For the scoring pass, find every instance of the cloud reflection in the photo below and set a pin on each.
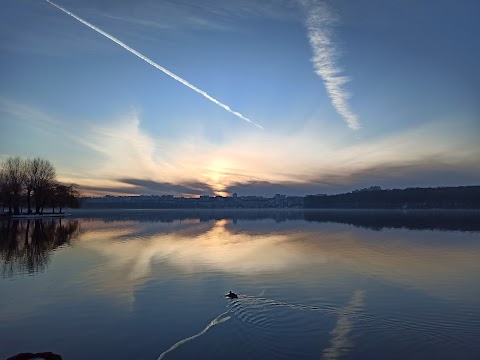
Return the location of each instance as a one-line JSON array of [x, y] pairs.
[[422, 260], [214, 246]]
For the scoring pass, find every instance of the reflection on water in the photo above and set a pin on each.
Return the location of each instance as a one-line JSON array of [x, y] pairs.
[[416, 259], [458, 220], [136, 284], [340, 342], [26, 245]]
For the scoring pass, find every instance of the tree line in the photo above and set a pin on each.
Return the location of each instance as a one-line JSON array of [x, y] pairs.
[[32, 184], [461, 197]]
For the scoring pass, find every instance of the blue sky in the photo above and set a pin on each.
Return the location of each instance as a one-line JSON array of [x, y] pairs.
[[349, 94]]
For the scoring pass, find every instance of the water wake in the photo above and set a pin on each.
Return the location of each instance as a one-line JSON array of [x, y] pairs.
[[218, 320], [261, 302]]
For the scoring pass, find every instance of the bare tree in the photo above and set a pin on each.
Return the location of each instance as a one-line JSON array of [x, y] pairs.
[[13, 175], [3, 188], [41, 180], [36, 179], [31, 170], [64, 196]]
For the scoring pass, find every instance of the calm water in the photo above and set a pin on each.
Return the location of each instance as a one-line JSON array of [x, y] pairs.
[[315, 285]]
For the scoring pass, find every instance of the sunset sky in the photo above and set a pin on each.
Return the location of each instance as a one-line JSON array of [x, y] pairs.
[[347, 94]]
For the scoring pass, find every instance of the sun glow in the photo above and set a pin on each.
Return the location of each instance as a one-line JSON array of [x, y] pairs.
[[217, 176]]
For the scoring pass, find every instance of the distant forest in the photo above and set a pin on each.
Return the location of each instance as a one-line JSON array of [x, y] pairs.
[[462, 197]]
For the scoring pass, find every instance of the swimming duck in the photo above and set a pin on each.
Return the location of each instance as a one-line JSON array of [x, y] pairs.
[[231, 295]]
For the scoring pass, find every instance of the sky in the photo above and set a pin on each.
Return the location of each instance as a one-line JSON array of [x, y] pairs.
[[296, 97]]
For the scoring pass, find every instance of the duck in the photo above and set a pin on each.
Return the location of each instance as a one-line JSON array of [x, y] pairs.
[[231, 295]]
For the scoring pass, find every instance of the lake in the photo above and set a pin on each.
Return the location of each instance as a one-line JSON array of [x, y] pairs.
[[136, 284]]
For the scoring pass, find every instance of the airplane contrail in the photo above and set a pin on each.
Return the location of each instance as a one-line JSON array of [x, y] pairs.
[[154, 64]]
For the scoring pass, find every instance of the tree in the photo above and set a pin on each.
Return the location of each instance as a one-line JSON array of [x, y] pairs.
[[12, 180], [41, 180], [65, 195], [31, 170], [36, 179], [3, 188]]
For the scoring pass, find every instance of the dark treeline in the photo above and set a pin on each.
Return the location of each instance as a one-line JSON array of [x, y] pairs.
[[26, 245], [462, 197], [32, 184]]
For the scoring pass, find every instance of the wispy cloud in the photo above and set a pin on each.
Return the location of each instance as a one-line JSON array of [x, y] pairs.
[[214, 15], [158, 187], [120, 156], [320, 21], [301, 165]]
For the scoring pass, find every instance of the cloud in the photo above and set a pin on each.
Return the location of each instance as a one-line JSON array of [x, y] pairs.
[[266, 164], [320, 21], [119, 156], [218, 15], [156, 187]]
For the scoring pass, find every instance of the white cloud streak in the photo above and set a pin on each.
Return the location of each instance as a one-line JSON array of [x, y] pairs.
[[325, 55], [154, 64]]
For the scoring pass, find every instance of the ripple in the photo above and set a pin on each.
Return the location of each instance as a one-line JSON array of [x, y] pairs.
[[288, 329]]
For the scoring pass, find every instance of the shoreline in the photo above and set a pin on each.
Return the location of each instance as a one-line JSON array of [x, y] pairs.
[[33, 216]]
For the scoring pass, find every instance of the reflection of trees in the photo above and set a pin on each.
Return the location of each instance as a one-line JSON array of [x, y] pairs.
[[451, 220], [458, 220], [25, 246]]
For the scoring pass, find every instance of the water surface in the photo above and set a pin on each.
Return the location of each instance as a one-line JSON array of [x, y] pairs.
[[311, 285]]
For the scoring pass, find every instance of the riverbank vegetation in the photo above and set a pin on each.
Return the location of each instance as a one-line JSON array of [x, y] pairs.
[[460, 197], [31, 185]]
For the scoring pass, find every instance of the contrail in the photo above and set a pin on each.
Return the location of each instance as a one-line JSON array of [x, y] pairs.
[[154, 64], [319, 21]]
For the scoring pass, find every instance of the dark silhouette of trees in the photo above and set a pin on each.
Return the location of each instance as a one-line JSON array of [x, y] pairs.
[[4, 194], [33, 179], [43, 177], [39, 179], [461, 197], [64, 196], [12, 180]]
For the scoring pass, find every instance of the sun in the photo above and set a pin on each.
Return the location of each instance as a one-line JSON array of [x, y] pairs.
[[218, 176]]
